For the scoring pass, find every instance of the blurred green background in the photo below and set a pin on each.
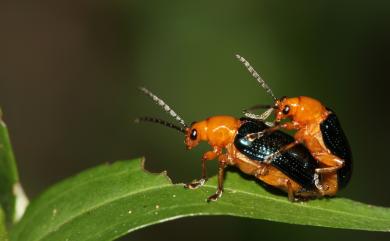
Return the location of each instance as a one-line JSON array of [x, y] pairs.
[[69, 72]]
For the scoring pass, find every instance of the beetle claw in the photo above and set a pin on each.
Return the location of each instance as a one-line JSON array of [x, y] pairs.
[[195, 184], [215, 196], [320, 187], [254, 136], [268, 159]]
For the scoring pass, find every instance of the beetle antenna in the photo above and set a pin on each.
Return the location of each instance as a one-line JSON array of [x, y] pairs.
[[160, 121], [163, 105], [261, 117], [256, 76]]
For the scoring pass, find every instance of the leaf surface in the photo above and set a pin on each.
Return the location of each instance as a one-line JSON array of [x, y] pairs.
[[3, 230], [112, 200]]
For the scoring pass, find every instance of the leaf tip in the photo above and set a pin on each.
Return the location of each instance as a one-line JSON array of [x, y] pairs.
[[21, 201], [2, 123]]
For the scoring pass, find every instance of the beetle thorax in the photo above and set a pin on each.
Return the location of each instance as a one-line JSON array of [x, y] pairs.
[[221, 130], [308, 111], [218, 131]]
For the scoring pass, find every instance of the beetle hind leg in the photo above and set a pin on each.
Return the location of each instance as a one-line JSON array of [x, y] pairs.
[[334, 163], [290, 191], [326, 170], [305, 195], [331, 162]]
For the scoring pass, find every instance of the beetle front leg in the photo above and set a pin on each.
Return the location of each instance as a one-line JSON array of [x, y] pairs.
[[268, 159], [210, 155], [256, 135], [198, 183], [275, 127]]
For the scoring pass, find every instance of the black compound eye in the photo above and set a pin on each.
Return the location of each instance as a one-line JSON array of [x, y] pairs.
[[194, 134], [286, 110]]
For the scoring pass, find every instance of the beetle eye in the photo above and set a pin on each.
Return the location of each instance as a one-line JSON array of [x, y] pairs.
[[194, 134], [286, 110]]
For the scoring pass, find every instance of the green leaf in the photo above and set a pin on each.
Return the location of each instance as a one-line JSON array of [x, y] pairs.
[[109, 201], [11, 192], [3, 230]]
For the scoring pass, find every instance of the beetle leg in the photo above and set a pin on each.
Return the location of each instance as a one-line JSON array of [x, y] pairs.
[[326, 170], [195, 184], [256, 135], [268, 159], [210, 155], [261, 171], [330, 185], [290, 191], [274, 127], [221, 171], [330, 160], [304, 194], [317, 182], [198, 183], [323, 156], [321, 188]]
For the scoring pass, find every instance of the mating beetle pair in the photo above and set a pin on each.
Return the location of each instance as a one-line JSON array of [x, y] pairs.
[[261, 150], [317, 128]]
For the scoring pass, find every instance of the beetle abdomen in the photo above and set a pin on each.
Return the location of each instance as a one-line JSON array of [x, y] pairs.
[[336, 141], [296, 163]]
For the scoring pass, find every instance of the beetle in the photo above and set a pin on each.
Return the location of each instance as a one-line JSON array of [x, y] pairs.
[[292, 171], [316, 126]]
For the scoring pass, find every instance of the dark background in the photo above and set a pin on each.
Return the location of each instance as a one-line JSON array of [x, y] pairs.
[[69, 72]]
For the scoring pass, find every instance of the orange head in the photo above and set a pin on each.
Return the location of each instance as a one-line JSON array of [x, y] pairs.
[[195, 133], [300, 109]]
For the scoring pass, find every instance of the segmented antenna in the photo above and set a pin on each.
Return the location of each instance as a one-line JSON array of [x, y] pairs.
[[165, 107], [160, 121], [256, 75], [261, 117]]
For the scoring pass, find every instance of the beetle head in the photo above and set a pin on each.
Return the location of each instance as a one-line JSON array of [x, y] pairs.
[[300, 109], [194, 134], [192, 138], [286, 108]]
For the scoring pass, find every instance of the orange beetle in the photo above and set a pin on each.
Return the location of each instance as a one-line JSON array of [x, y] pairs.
[[317, 127], [220, 133]]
